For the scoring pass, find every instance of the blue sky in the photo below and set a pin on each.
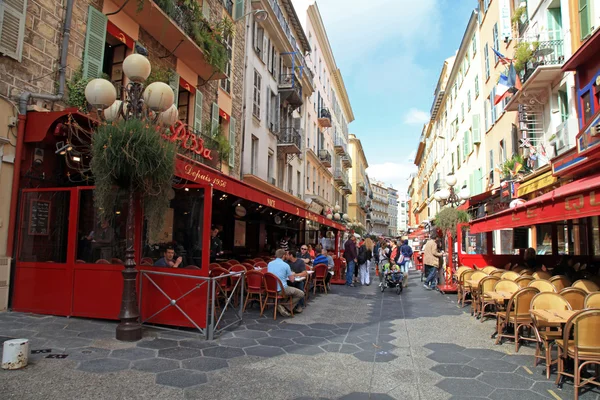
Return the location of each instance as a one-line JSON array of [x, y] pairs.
[[390, 53]]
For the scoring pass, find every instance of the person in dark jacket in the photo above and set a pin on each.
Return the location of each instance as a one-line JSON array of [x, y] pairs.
[[406, 253], [350, 254]]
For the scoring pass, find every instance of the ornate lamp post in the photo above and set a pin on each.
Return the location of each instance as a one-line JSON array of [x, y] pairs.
[[451, 196], [154, 104]]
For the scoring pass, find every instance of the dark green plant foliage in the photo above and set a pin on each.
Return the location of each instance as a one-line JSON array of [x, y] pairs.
[[449, 217], [76, 89], [509, 165], [159, 75], [216, 141], [132, 155]]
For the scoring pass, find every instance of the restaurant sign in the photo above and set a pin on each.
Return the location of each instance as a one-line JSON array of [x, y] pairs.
[[182, 133]]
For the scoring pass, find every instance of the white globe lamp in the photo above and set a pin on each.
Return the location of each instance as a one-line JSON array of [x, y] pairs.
[[451, 180], [137, 68], [337, 208], [169, 117], [336, 216], [436, 196], [100, 93], [345, 216], [444, 194], [112, 113], [464, 193], [329, 216], [159, 96]]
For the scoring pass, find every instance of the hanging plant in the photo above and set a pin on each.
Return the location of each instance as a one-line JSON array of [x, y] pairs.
[[76, 88], [518, 15], [509, 166], [159, 74], [131, 155], [217, 141], [524, 53], [448, 219]]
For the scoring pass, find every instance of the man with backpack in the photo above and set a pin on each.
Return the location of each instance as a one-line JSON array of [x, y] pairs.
[[404, 260]]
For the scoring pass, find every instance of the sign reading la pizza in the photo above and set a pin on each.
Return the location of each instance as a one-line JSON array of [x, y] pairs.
[[180, 132]]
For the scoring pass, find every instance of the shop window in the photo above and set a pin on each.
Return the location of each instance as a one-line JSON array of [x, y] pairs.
[[543, 240], [101, 238], [503, 242], [114, 55], [573, 238], [43, 233], [182, 230], [595, 235]]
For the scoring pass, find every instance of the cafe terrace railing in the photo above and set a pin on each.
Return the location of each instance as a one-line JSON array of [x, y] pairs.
[[215, 322]]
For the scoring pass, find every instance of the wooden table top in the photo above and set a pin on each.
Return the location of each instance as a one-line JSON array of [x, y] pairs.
[[501, 296], [553, 316]]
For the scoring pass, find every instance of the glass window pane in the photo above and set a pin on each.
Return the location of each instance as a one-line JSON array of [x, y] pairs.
[[44, 227], [544, 239], [474, 243], [503, 242], [595, 236]]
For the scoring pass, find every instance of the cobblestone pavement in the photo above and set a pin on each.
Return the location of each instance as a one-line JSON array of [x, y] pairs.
[[354, 343]]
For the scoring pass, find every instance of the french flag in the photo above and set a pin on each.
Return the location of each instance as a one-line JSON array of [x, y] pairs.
[[502, 88], [501, 58]]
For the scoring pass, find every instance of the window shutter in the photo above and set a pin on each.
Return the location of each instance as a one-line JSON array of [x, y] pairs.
[[12, 27], [206, 10], [174, 84], [214, 119], [584, 18], [476, 130], [232, 142], [277, 114], [238, 10], [95, 38], [198, 111], [265, 47], [268, 107], [465, 145]]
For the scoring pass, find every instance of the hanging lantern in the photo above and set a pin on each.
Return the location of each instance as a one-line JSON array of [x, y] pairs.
[[337, 216], [345, 216], [329, 216], [337, 208]]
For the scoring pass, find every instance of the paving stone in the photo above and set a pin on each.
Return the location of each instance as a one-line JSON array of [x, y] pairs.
[[96, 334], [519, 359], [384, 356], [205, 364], [513, 394], [250, 334], [349, 349], [68, 343], [506, 380], [340, 331], [181, 378], [238, 342], [385, 338], [367, 356], [134, 353], [322, 326], [284, 333], [493, 365], [443, 357], [264, 351], [179, 353], [318, 333], [198, 343], [223, 352], [275, 342], [456, 371], [484, 353], [264, 328], [304, 350], [310, 340], [444, 347], [331, 347], [353, 339], [366, 396], [103, 365], [158, 344], [86, 353], [155, 365], [465, 387]]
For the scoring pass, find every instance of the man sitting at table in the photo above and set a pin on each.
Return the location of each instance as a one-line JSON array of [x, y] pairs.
[[304, 254], [282, 270], [168, 259], [325, 258], [299, 269]]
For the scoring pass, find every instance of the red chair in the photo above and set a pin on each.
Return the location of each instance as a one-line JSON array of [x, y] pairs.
[[102, 261], [116, 261], [255, 286], [248, 266], [272, 282], [80, 262], [147, 261], [260, 264], [319, 277]]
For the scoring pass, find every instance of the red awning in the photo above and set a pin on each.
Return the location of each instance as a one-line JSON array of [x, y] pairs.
[[574, 200], [40, 123], [199, 173]]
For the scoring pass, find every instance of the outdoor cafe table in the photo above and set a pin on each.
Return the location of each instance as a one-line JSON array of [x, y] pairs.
[[500, 296], [553, 316]]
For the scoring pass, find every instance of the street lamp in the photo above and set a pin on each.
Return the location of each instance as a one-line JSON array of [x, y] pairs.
[[259, 15], [154, 104], [451, 196]]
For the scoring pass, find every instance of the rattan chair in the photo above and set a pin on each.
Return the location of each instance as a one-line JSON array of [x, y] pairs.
[[575, 297], [542, 285], [524, 281], [543, 330], [584, 349], [526, 272], [592, 300], [498, 273], [560, 282], [486, 285], [459, 271], [510, 276], [518, 269], [464, 287], [489, 269], [504, 286], [542, 275], [477, 276], [586, 285], [516, 314]]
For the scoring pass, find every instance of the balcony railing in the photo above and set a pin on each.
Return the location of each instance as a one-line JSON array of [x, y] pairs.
[[324, 118], [339, 145], [290, 89], [325, 157], [289, 140], [340, 177], [347, 160], [548, 52]]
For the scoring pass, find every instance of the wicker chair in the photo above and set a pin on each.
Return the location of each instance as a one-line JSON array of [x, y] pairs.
[[498, 273], [517, 314], [486, 285], [459, 271], [477, 277], [592, 300], [560, 282], [524, 281], [542, 285], [272, 282], [542, 275], [489, 269], [464, 287], [510, 276], [587, 285], [518, 269], [575, 297], [584, 349], [526, 272], [543, 330]]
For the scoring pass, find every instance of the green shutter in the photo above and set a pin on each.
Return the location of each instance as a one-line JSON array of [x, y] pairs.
[[206, 10], [198, 111], [478, 187], [238, 10], [476, 131], [476, 86], [466, 143], [174, 83], [232, 142], [584, 18], [471, 184], [12, 27], [214, 119], [95, 39]]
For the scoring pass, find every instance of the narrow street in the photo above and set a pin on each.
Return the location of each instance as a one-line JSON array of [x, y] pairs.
[[355, 343]]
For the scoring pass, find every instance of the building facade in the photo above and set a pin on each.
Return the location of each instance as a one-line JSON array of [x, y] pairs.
[[379, 213], [403, 213], [359, 201], [392, 211]]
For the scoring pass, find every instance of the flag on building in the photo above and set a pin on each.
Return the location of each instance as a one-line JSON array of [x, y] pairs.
[[513, 79], [502, 89], [501, 58]]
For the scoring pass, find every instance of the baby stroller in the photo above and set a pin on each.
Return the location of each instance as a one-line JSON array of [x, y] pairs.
[[392, 279]]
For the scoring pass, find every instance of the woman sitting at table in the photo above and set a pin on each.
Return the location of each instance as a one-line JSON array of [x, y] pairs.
[[311, 251]]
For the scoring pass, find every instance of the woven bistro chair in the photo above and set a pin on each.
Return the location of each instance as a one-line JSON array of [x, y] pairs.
[[498, 273], [584, 349], [518, 269], [586, 285], [546, 333], [465, 288], [489, 269], [575, 297], [507, 266], [504, 286], [560, 282], [542, 285], [516, 314], [510, 275], [477, 276], [272, 282], [542, 275], [255, 287], [319, 278], [526, 272], [486, 285], [458, 276], [524, 281], [592, 300]]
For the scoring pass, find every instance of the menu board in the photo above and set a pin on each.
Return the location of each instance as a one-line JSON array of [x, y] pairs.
[[520, 238], [39, 217]]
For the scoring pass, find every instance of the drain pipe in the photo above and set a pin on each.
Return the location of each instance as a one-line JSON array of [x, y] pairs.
[[23, 101]]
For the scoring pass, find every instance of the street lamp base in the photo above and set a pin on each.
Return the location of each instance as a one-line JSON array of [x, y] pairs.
[[129, 331]]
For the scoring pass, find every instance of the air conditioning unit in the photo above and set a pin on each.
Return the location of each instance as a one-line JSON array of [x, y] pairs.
[[4, 280]]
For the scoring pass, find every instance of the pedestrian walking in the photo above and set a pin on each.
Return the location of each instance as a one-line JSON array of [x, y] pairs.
[[431, 260], [365, 253], [406, 253], [350, 255]]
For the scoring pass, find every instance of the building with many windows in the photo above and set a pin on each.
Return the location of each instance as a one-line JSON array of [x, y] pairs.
[[403, 213], [392, 212], [359, 203], [379, 214]]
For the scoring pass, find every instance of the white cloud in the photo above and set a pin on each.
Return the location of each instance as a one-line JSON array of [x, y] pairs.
[[394, 173], [416, 117]]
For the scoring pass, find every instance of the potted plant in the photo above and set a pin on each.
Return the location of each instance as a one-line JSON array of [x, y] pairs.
[[512, 166], [524, 53], [448, 218]]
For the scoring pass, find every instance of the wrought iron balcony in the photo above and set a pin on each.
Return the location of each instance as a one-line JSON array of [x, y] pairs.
[[289, 140], [325, 158], [290, 89], [347, 189], [548, 52], [324, 118], [340, 177], [346, 160], [339, 145]]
